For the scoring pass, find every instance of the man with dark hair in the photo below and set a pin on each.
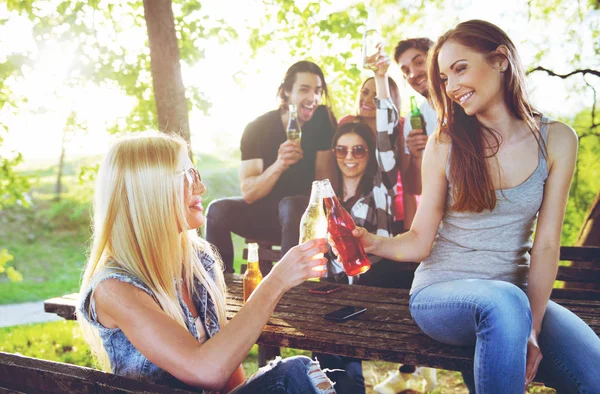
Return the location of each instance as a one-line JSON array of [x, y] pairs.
[[276, 173], [411, 56]]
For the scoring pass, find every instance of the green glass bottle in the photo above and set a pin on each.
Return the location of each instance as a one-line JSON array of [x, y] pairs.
[[416, 118]]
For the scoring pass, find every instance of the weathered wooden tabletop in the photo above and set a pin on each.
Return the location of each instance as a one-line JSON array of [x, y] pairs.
[[384, 332]]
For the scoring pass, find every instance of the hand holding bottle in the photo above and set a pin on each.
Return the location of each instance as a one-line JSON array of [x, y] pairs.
[[416, 142], [366, 239], [289, 153], [299, 264], [380, 62]]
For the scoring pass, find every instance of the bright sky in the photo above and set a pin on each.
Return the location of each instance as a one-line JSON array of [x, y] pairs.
[[241, 88]]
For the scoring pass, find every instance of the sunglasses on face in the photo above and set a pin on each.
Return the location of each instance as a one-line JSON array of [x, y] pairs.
[[358, 151], [193, 178]]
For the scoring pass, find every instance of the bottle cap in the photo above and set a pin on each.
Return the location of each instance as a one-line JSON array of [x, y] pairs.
[[253, 252], [326, 189]]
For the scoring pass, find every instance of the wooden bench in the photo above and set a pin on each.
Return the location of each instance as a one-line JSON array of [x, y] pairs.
[[20, 374], [386, 330]]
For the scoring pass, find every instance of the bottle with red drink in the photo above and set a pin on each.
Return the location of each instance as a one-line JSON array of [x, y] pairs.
[[340, 226]]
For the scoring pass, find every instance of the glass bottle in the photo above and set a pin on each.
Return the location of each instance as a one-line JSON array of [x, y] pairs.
[[416, 118], [252, 276], [371, 38], [293, 131], [340, 225], [314, 222]]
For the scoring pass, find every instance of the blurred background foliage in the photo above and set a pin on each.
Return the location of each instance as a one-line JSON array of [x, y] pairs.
[[45, 206]]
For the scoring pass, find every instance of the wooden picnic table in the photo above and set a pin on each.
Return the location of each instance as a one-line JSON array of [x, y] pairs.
[[384, 332]]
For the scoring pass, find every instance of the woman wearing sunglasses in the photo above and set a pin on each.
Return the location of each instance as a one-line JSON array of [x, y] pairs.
[[153, 294], [365, 151], [404, 205]]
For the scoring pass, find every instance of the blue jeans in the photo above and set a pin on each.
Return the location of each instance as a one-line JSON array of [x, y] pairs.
[[292, 375], [346, 372], [495, 317]]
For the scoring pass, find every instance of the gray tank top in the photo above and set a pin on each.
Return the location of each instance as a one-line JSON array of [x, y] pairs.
[[491, 245]]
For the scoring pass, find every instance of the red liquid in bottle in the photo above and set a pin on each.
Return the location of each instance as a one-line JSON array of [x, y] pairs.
[[340, 226]]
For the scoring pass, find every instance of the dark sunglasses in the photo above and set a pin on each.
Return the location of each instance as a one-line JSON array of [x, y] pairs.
[[358, 151], [192, 177]]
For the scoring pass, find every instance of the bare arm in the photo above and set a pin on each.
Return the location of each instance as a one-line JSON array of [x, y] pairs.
[[238, 377], [386, 117], [257, 182], [415, 245], [562, 155], [410, 208], [413, 162], [171, 347]]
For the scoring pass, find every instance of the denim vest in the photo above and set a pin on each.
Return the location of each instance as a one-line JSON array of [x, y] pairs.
[[125, 359]]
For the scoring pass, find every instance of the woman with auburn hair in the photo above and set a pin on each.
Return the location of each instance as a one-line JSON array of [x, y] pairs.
[[495, 166], [153, 293]]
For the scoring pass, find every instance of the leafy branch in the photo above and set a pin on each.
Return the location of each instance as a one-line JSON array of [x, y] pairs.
[[564, 76], [583, 72]]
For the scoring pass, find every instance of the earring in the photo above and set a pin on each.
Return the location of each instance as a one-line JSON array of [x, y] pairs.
[[502, 68]]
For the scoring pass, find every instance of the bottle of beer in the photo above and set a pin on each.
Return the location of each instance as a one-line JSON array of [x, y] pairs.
[[314, 222], [252, 276], [340, 226], [371, 38], [416, 118], [294, 132]]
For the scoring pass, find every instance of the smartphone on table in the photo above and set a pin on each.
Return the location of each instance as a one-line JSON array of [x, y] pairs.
[[326, 289], [345, 313]]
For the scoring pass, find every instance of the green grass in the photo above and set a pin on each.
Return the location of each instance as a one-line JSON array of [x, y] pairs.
[[62, 341], [49, 240], [49, 255], [57, 341]]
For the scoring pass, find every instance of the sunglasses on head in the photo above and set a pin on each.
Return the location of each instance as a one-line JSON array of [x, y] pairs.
[[192, 177], [358, 151]]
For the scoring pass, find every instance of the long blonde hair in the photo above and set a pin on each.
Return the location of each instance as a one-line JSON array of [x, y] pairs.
[[138, 217]]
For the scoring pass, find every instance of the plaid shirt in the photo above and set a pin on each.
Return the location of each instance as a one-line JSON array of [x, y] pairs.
[[374, 210]]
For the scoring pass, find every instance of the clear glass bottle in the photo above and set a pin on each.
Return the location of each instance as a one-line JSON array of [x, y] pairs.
[[371, 37], [314, 222], [293, 131]]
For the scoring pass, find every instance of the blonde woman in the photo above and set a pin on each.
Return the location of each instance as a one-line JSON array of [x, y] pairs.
[[153, 293]]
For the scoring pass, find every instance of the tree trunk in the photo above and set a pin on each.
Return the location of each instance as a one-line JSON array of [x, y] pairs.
[[169, 91], [61, 164], [590, 231]]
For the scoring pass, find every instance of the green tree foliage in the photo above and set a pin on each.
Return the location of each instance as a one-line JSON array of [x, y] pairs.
[[103, 32]]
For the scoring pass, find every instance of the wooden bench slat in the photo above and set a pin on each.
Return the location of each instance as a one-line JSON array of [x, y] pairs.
[[580, 253], [32, 375], [579, 274]]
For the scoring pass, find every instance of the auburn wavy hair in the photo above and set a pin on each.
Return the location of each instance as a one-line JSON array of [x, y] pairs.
[[472, 187]]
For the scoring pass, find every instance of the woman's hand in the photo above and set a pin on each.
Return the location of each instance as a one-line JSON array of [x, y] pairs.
[[381, 61], [534, 356], [298, 263], [367, 240]]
